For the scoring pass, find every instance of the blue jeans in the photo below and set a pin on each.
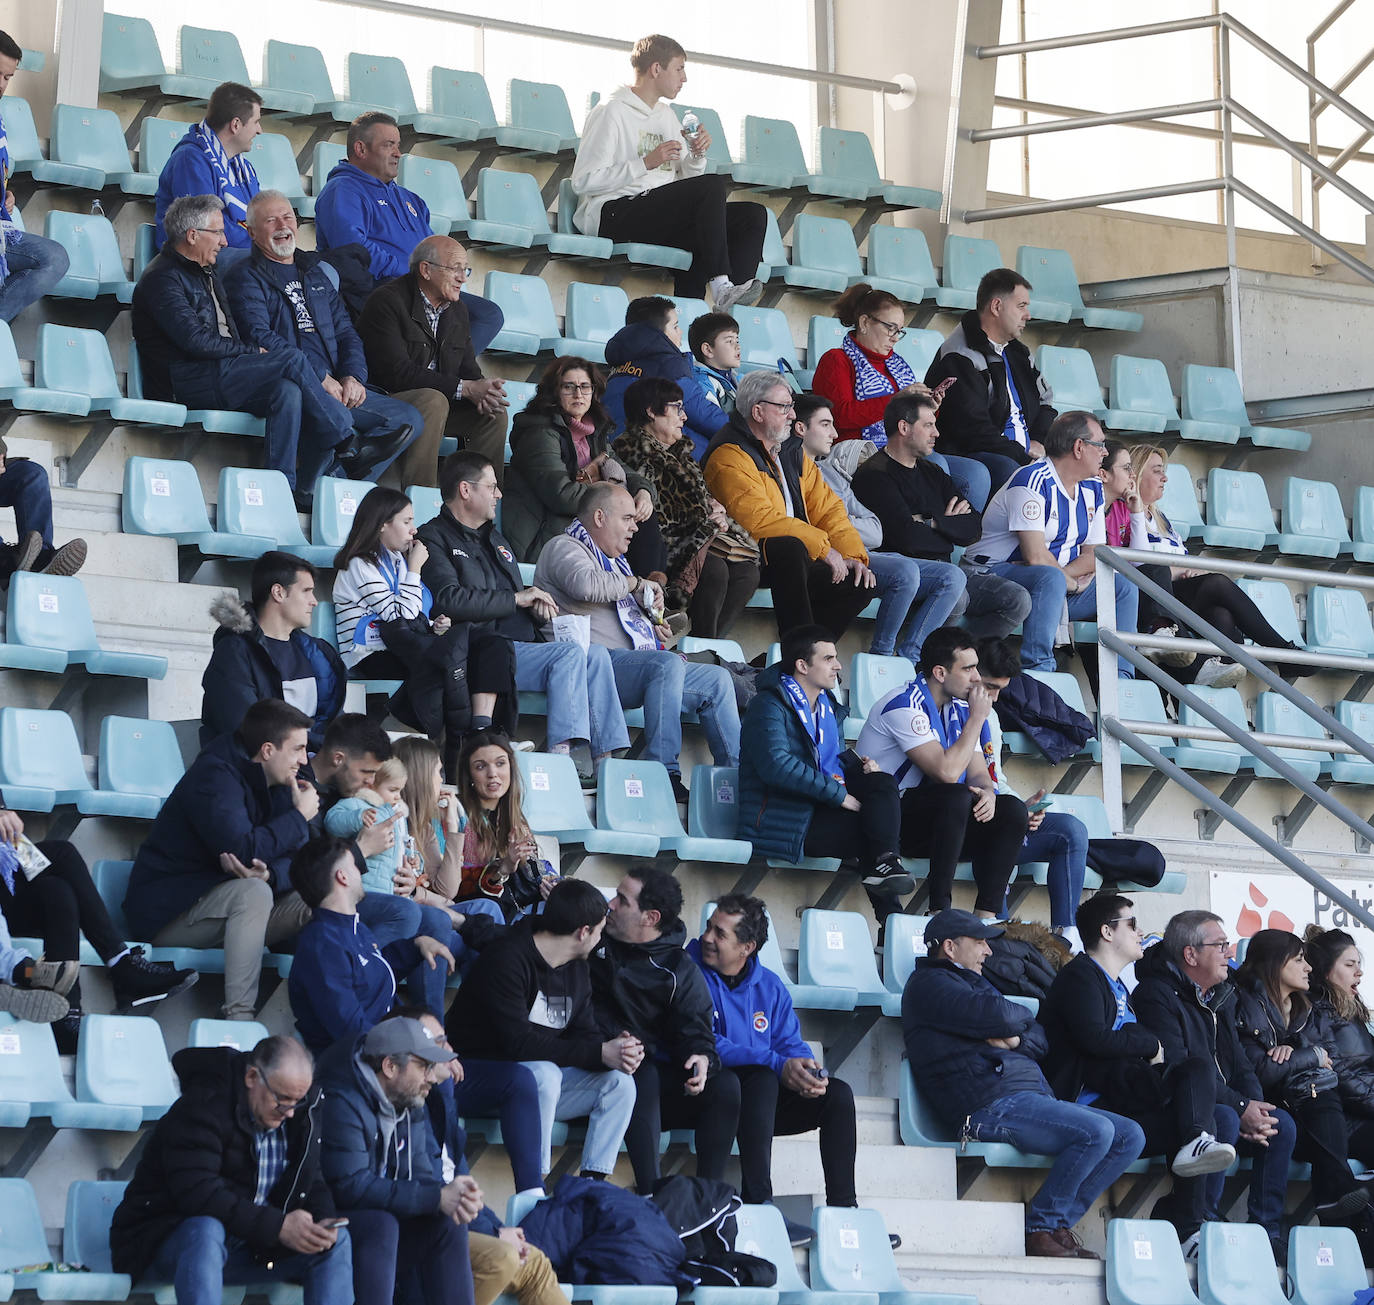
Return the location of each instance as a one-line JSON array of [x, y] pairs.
[[1062, 840], [1092, 1149], [664, 685], [1047, 587], [926, 591], [606, 1097], [970, 478], [25, 487], [1268, 1175], [485, 320], [387, 1246], [304, 425], [36, 265], [509, 1091], [999, 466], [581, 689], [200, 1262], [993, 606]]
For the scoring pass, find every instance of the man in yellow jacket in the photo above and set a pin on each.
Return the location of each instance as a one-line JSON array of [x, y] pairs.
[[813, 559]]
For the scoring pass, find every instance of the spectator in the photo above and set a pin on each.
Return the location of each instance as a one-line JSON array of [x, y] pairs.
[[421, 338], [974, 1057], [282, 300], [1118, 490], [801, 792], [452, 676], [915, 598], [191, 351], [783, 1089], [1099, 1055], [998, 410], [1183, 997], [813, 559], [382, 1162], [229, 1189], [473, 576], [1279, 1036], [30, 265], [643, 981], [362, 204], [932, 736], [212, 159], [713, 339], [380, 800], [650, 345], [436, 820], [24, 486], [637, 177], [1040, 530], [58, 905], [263, 650], [585, 572], [213, 872], [350, 755], [712, 590], [33, 991], [529, 999], [559, 449], [923, 515]]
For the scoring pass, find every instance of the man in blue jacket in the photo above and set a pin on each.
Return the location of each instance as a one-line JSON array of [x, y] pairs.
[[282, 300], [214, 870], [758, 1036], [974, 1056], [362, 204], [212, 159], [381, 1161]]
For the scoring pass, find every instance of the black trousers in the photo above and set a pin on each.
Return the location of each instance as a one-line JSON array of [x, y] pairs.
[[722, 593], [691, 214], [767, 1109], [804, 592], [661, 1103], [869, 833], [938, 823], [1324, 1142]]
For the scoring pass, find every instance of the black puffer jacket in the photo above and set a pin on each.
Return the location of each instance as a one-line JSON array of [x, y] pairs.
[[1351, 1048], [1261, 1028], [1017, 968]]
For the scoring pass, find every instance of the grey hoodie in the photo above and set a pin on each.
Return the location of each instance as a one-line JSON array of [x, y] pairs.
[[838, 471]]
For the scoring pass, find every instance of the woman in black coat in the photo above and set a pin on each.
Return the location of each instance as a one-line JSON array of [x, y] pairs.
[[1340, 1024]]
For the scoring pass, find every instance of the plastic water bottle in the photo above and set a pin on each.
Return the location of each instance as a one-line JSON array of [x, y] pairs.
[[97, 208], [691, 124]]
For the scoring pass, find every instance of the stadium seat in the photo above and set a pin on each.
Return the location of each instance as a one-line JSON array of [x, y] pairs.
[[49, 627], [86, 1237], [461, 93], [87, 145], [1361, 520], [836, 951], [274, 160], [632, 251], [916, 1122], [1073, 378], [511, 214], [519, 393], [1221, 757], [899, 262], [822, 335], [904, 944], [162, 497], [1325, 1266], [1274, 714], [713, 804], [1236, 1266], [1142, 399], [33, 398], [1313, 520], [771, 155], [157, 138], [919, 348], [303, 67], [718, 156], [324, 625], [40, 759], [1179, 502], [1088, 808], [1051, 272], [242, 1035], [258, 502], [1145, 1264], [554, 805], [79, 362], [121, 1060], [140, 764], [870, 677], [851, 1252], [21, 135], [1141, 700], [211, 57], [1067, 687], [1214, 410], [765, 340], [132, 62], [636, 797], [96, 266], [32, 1085], [1350, 768], [383, 80], [144, 250], [336, 504], [726, 649], [824, 256], [967, 259], [760, 1230], [848, 156], [426, 502], [1238, 511], [1338, 622], [539, 119], [773, 258], [23, 1244], [531, 327], [592, 314], [688, 310], [439, 183], [1275, 601]]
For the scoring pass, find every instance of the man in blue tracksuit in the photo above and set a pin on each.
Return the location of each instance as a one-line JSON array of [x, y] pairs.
[[362, 204], [758, 1036]]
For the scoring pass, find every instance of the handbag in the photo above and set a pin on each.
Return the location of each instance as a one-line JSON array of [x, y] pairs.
[[1308, 1082]]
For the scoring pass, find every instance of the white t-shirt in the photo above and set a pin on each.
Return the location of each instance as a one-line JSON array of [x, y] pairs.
[[897, 723], [1035, 499]]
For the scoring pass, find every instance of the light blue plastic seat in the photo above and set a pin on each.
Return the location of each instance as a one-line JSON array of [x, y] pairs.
[[1236, 1266], [33, 398], [1238, 511], [836, 951], [425, 500], [1088, 808], [1142, 398], [510, 215], [21, 135], [131, 61], [851, 1251], [1067, 687], [336, 504], [519, 394], [144, 250], [824, 256], [1338, 622], [439, 183], [86, 1237], [1051, 272], [1145, 1264], [32, 1085], [538, 118], [531, 326], [899, 262], [258, 502], [1213, 408], [771, 155], [323, 159], [966, 259], [88, 145], [140, 764], [324, 625], [1073, 378], [1179, 502], [274, 160], [1313, 520], [636, 797], [713, 804], [220, 420], [632, 251], [773, 257], [848, 155], [462, 93], [49, 618], [1217, 757], [162, 497], [592, 314], [718, 156], [726, 649], [96, 267], [24, 1242], [210, 57], [1275, 602], [688, 310], [919, 347], [1349, 768], [303, 68], [1325, 1266], [242, 1035], [760, 1231], [804, 996], [871, 676], [1274, 714], [822, 335], [157, 138], [382, 79], [916, 1122], [78, 361], [1362, 521], [904, 943], [554, 805], [111, 879], [1140, 700], [765, 338], [121, 1060]]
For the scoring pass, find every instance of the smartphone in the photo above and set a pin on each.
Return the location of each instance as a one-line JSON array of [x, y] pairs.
[[820, 1074], [1044, 804], [333, 1223]]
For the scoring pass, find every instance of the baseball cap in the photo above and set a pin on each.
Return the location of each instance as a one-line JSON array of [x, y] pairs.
[[951, 923], [402, 1037]]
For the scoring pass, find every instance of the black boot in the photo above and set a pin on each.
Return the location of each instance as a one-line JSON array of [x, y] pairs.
[[137, 981], [67, 1031]]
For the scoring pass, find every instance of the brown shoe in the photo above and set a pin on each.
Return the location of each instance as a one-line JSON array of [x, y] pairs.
[[1068, 1239], [27, 551], [55, 976], [1047, 1244], [68, 559]]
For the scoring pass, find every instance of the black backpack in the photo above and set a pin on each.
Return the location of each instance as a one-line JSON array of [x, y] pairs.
[[702, 1210]]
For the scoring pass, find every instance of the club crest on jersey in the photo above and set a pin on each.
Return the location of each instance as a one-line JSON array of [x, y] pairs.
[[920, 722], [411, 208], [760, 1022], [505, 552], [1031, 511]]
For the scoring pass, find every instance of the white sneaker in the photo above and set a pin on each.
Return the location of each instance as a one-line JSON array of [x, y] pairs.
[[1219, 674], [1203, 1155], [1189, 1246], [732, 294]]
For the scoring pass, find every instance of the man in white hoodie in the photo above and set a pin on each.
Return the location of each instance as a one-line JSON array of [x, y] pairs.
[[637, 177]]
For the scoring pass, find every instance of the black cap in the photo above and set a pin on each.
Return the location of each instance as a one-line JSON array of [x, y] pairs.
[[950, 923]]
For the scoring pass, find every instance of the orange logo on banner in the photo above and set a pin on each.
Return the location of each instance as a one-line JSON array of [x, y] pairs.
[[1250, 922]]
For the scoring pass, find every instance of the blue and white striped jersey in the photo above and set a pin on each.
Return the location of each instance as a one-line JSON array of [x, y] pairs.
[[1035, 499]]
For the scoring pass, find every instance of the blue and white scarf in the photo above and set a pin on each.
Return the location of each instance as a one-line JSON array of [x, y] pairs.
[[948, 727], [632, 617], [870, 383], [821, 726], [229, 173]]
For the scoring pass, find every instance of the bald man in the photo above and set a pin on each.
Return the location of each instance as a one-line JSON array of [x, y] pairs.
[[417, 336]]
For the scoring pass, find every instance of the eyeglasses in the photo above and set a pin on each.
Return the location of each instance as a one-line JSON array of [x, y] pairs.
[[895, 330], [789, 406], [285, 1104], [676, 404], [575, 387], [210, 231], [1223, 943], [460, 270], [1097, 444], [1126, 919]]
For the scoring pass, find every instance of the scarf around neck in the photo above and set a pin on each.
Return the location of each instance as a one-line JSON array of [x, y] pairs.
[[821, 726], [230, 174], [870, 383], [632, 618]]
